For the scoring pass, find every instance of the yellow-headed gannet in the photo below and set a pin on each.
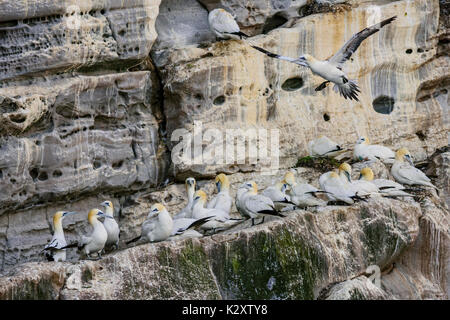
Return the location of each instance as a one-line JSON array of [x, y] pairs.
[[277, 194], [336, 189], [324, 147], [97, 240], [331, 69], [303, 194], [187, 227], [360, 188], [111, 226], [219, 219], [54, 249], [253, 205], [406, 173], [222, 23], [222, 200], [366, 151], [157, 226], [387, 188], [186, 212]]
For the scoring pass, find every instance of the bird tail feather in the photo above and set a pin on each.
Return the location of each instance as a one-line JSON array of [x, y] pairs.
[[348, 90], [133, 240]]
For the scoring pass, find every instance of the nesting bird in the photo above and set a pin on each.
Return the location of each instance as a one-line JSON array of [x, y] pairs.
[[253, 205], [55, 249], [186, 212], [222, 200], [324, 147], [277, 194], [157, 226], [95, 243], [219, 219], [224, 26], [111, 226], [337, 189], [387, 188], [406, 173], [303, 194], [360, 188], [365, 151], [331, 69]]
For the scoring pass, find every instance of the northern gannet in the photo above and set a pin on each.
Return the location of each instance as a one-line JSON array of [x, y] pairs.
[[303, 194], [97, 240], [365, 151], [188, 226], [386, 187], [360, 188], [224, 26], [253, 205], [336, 189], [222, 200], [186, 212], [111, 226], [324, 147], [219, 219], [406, 173], [157, 226], [277, 194], [54, 250], [331, 69]]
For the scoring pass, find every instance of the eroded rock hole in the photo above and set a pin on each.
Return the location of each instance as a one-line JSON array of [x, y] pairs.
[[383, 104], [219, 101], [326, 117], [57, 173], [421, 135], [408, 51], [43, 176], [34, 173], [274, 22], [117, 165], [97, 164], [292, 84]]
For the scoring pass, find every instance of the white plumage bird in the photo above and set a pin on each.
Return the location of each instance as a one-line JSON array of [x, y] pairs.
[[387, 188], [253, 205], [186, 212], [223, 24], [222, 200], [54, 250], [324, 147], [337, 190], [365, 151], [406, 173], [331, 69], [303, 194], [111, 226]]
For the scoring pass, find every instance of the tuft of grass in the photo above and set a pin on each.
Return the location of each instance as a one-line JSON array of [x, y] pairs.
[[321, 164]]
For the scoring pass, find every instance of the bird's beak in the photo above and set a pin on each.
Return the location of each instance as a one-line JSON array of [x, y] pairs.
[[69, 213], [284, 187], [218, 186], [408, 158], [101, 214], [360, 177], [348, 176]]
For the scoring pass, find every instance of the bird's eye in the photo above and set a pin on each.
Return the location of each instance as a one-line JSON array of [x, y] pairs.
[[196, 198], [154, 210]]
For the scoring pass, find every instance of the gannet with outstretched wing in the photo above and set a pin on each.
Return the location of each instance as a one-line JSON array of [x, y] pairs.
[[54, 250], [331, 69]]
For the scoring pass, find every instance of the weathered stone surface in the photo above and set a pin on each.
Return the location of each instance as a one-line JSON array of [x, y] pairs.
[[250, 84], [299, 255], [360, 288]]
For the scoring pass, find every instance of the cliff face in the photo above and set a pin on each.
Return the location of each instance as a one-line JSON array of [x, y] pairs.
[[91, 94]]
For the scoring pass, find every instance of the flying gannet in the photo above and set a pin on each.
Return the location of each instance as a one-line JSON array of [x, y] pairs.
[[111, 226], [331, 69], [387, 188], [303, 194], [222, 200], [406, 173], [324, 147], [157, 226], [222, 23], [219, 219], [54, 250], [253, 205], [186, 212], [365, 151], [97, 240]]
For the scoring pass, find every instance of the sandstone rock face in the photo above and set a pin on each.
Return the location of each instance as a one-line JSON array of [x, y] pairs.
[[404, 88], [90, 96]]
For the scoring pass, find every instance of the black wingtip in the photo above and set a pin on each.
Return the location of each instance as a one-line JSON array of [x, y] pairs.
[[133, 240]]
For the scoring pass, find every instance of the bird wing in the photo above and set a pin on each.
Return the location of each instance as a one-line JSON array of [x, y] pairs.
[[54, 244], [412, 174], [380, 151], [274, 194], [212, 203], [148, 226], [352, 45], [258, 203], [277, 56]]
